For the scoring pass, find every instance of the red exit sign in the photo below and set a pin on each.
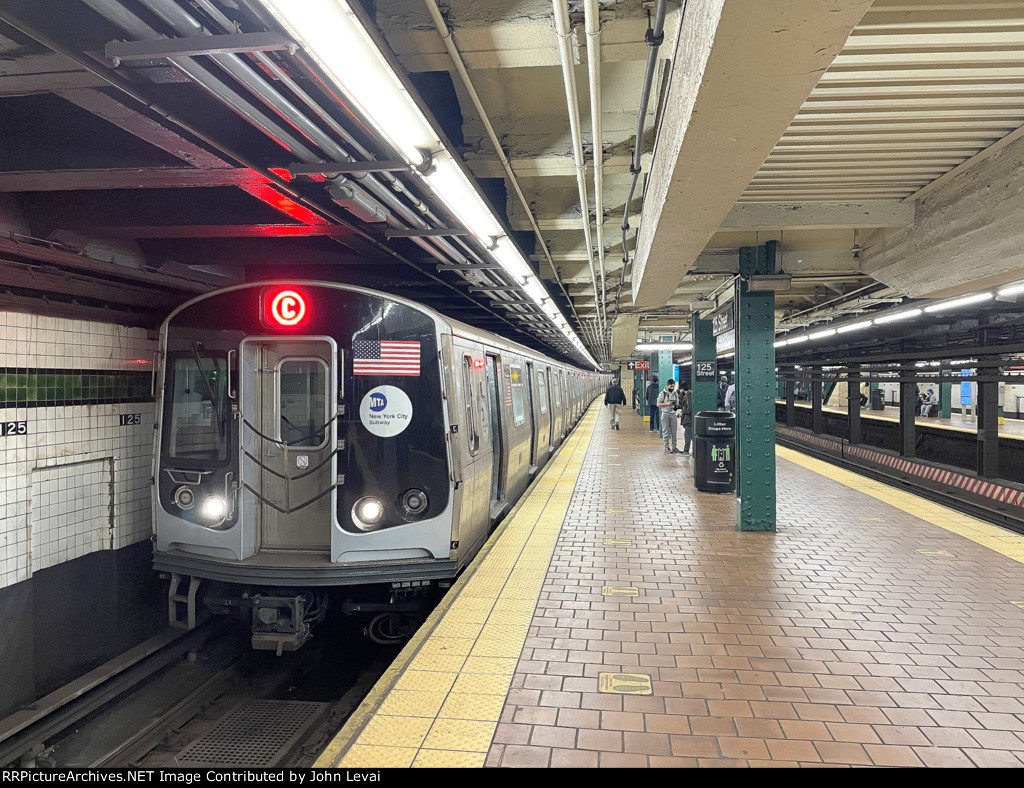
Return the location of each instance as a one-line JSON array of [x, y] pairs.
[[639, 365]]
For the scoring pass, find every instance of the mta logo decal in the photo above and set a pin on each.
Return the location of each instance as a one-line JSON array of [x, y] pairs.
[[378, 402]]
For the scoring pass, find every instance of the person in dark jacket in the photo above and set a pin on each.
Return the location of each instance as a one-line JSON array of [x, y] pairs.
[[614, 398], [636, 398], [686, 417], [653, 390]]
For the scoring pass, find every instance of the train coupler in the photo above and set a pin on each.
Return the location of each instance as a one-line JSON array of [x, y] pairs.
[[282, 623]]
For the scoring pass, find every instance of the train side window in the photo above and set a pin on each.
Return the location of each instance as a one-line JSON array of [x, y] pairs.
[[518, 402], [555, 388], [482, 405], [472, 435], [542, 391]]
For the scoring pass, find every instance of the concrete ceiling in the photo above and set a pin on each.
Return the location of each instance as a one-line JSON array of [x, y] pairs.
[[880, 143], [818, 123]]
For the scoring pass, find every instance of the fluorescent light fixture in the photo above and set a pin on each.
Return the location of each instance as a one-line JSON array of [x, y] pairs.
[[958, 302], [795, 340], [892, 317], [651, 347], [854, 326], [822, 334], [782, 342], [728, 355], [332, 34], [1012, 289]]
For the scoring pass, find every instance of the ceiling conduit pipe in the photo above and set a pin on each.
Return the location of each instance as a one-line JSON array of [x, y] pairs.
[[125, 20], [474, 97], [592, 25], [654, 38], [183, 24], [565, 47], [186, 25]]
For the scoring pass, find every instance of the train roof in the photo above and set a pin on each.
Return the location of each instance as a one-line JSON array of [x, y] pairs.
[[458, 328]]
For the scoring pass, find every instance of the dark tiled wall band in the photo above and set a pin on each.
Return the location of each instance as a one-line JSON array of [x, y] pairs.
[[31, 388]]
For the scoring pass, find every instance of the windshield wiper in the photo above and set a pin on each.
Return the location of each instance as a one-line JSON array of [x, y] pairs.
[[209, 388]]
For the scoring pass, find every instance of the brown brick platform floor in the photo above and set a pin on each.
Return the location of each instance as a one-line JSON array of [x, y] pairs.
[[859, 634]]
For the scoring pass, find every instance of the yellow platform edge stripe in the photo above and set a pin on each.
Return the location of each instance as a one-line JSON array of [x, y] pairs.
[[993, 537], [346, 739]]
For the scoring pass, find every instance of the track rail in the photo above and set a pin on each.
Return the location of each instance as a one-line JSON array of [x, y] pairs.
[[21, 732], [949, 499]]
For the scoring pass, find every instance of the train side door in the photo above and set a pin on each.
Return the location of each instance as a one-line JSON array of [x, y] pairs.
[[497, 445], [290, 440]]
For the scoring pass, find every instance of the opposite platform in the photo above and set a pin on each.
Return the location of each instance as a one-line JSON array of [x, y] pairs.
[[875, 628]]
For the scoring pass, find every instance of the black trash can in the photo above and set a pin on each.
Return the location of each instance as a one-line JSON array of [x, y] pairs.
[[877, 400], [715, 459]]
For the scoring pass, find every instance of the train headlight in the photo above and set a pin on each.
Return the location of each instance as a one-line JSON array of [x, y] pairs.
[[214, 507], [368, 513], [414, 502], [184, 498]]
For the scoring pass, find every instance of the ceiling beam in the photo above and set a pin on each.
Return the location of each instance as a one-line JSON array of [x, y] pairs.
[[818, 215], [741, 73], [149, 130], [125, 178], [223, 231], [82, 262]]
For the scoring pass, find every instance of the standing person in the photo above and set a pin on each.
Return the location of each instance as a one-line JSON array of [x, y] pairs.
[[652, 403], [865, 393], [730, 397], [723, 386], [686, 417], [636, 398], [668, 403], [614, 398]]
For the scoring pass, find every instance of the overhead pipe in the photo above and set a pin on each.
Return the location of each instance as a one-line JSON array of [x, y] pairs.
[[474, 97], [564, 33], [180, 19], [185, 24], [654, 38], [592, 27], [127, 21]]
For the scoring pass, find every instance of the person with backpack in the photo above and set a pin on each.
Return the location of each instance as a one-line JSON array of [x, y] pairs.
[[652, 403], [686, 417], [668, 402]]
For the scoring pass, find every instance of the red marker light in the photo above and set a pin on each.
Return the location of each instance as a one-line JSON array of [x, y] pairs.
[[285, 308], [478, 363]]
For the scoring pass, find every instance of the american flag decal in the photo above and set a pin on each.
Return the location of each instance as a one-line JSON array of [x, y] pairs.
[[370, 357]]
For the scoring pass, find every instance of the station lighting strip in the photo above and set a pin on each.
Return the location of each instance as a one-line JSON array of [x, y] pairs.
[[897, 315], [333, 35]]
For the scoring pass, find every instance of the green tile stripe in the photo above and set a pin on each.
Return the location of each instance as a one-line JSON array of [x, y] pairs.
[[30, 388]]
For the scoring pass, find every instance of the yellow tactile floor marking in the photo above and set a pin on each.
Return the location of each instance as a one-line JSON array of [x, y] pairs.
[[442, 711], [991, 536]]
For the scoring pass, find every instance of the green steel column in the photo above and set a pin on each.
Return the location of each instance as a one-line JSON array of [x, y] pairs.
[[755, 390], [665, 367], [946, 396], [705, 393]]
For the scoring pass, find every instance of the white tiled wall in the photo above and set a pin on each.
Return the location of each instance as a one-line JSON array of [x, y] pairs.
[[55, 489]]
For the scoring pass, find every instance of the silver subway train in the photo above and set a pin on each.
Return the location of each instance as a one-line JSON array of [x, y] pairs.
[[319, 443]]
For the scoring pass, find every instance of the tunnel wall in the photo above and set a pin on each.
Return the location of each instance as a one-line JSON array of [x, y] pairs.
[[76, 443]]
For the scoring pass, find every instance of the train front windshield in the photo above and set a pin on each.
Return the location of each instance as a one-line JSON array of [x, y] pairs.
[[197, 427]]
